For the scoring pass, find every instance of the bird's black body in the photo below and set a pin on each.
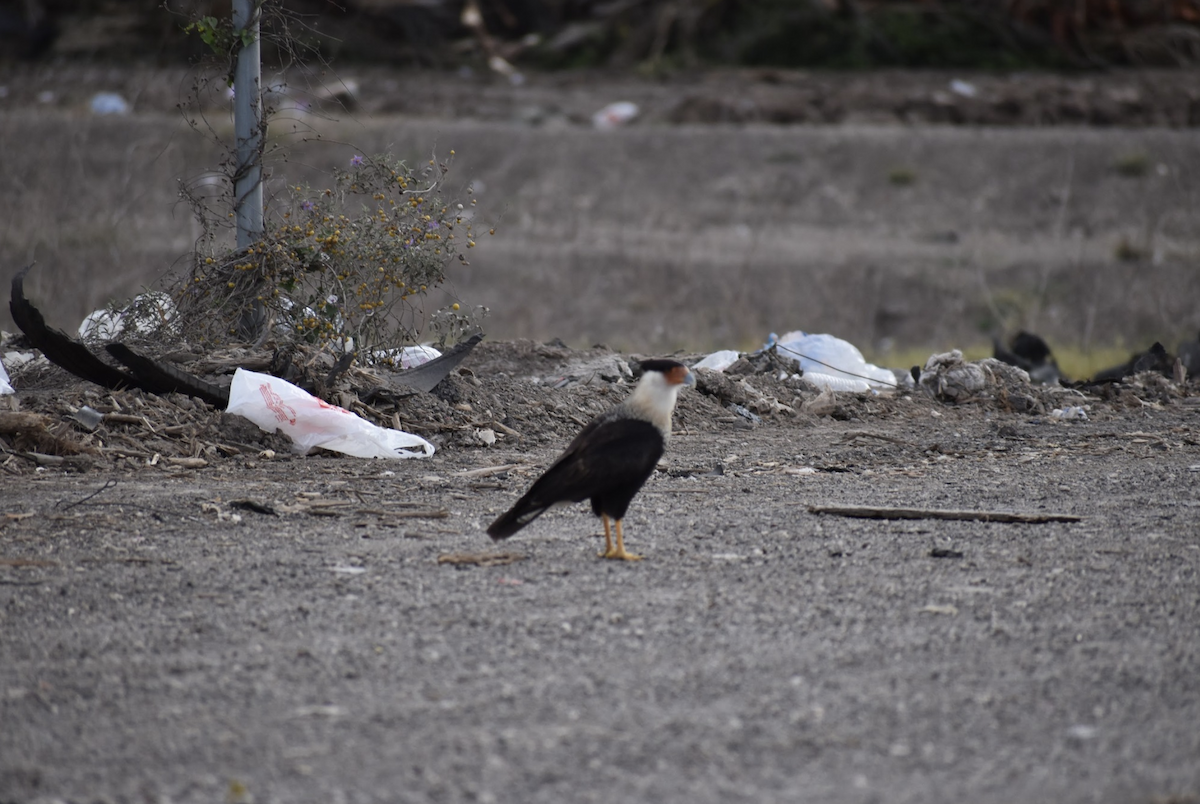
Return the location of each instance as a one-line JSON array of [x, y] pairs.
[[610, 460]]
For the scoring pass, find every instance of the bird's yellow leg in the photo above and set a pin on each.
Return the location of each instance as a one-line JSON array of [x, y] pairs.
[[620, 551], [608, 546]]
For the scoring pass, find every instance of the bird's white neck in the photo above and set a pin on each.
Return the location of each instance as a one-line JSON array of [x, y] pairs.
[[654, 400]]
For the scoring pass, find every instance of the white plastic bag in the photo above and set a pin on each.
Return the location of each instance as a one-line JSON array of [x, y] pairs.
[[409, 356], [275, 404], [144, 315], [825, 358], [718, 361], [615, 115], [5, 386]]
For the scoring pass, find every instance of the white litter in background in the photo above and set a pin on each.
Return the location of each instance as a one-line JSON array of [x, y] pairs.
[[718, 361], [615, 115], [849, 384], [14, 360], [5, 385], [409, 356], [1081, 732], [831, 362], [275, 404], [1073, 413], [964, 88], [146, 314], [109, 103]]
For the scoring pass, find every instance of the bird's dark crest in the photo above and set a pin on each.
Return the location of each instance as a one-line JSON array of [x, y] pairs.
[[661, 364]]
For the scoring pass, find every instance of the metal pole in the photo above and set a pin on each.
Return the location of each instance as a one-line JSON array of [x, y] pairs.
[[248, 131], [247, 124]]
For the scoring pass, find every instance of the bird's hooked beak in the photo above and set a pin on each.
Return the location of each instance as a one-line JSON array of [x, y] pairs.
[[680, 375]]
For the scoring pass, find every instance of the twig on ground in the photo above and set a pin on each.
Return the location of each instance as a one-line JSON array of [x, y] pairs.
[[108, 484], [870, 512]]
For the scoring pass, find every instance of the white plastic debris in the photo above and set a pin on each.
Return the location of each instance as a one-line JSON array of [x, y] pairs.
[[718, 361], [409, 356], [109, 103], [1082, 732], [5, 385], [275, 404], [499, 65], [964, 88], [949, 376], [615, 115], [1070, 413], [831, 362], [145, 315], [14, 360], [831, 382]]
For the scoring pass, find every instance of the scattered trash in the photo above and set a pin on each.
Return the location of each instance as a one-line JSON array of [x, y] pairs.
[[746, 414], [14, 359], [409, 356], [834, 383], [950, 378], [718, 361], [426, 375], [109, 103], [615, 115], [964, 88], [5, 383], [1069, 414], [274, 404], [830, 362], [89, 418], [144, 315], [1081, 732]]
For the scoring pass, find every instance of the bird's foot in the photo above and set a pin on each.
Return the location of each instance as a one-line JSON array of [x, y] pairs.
[[620, 554]]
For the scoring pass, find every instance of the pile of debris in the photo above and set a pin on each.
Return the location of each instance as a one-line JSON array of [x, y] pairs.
[[169, 409]]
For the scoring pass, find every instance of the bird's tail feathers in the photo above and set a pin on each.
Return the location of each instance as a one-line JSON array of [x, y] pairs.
[[516, 518]]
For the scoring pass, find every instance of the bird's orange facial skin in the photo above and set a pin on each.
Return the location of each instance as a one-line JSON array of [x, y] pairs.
[[679, 375]]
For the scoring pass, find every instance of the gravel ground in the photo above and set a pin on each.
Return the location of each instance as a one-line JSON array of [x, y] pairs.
[[327, 629]]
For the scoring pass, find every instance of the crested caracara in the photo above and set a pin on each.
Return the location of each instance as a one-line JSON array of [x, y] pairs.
[[609, 460]]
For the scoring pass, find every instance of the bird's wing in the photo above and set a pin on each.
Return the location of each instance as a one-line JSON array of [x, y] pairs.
[[612, 453], [606, 454]]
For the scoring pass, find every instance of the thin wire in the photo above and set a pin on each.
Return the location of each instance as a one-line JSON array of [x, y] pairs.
[[835, 368]]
